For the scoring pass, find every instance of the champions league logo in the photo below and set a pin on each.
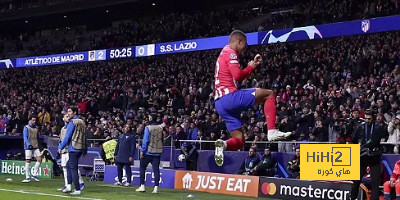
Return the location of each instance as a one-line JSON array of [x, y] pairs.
[[301, 33], [365, 25], [5, 64]]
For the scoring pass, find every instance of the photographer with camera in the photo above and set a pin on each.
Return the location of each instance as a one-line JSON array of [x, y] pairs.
[[369, 136]]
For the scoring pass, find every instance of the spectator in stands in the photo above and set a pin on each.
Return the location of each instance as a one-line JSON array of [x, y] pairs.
[[394, 133], [320, 132], [333, 126], [3, 123], [127, 81], [294, 165], [249, 163], [304, 121], [267, 165], [43, 117]]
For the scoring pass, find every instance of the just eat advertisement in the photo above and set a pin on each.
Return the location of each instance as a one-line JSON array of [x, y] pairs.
[[238, 185]]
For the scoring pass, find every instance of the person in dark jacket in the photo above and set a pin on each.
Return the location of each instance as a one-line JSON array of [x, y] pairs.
[[189, 154], [294, 165], [249, 163], [305, 121], [320, 132], [369, 136], [267, 165], [124, 153]]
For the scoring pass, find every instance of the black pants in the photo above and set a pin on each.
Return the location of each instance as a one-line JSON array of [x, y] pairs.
[[155, 162], [375, 170], [128, 170], [191, 165], [72, 169]]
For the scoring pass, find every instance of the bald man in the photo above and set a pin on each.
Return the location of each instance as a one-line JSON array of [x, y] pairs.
[[230, 101]]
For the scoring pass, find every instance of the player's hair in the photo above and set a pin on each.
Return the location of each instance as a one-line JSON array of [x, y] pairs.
[[237, 34]]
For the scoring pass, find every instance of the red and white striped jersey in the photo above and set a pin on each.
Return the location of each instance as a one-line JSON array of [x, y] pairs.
[[228, 72]]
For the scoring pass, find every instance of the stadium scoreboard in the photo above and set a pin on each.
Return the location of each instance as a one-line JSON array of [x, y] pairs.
[[357, 27]]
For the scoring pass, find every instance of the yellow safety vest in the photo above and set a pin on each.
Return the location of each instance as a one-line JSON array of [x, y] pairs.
[[109, 148]]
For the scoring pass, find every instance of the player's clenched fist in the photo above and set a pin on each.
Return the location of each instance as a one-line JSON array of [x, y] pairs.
[[257, 60]]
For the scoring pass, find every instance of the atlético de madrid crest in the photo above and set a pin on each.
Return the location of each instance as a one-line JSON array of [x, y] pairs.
[[365, 25]]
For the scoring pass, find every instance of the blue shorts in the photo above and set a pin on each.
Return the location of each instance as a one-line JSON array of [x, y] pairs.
[[230, 106]]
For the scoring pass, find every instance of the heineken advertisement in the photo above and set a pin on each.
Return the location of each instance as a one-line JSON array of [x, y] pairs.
[[17, 167]]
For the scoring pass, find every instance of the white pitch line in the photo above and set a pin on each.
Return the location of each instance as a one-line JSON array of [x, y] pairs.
[[115, 186], [44, 194]]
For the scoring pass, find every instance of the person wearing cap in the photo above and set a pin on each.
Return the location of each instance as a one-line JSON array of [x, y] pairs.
[[152, 148], [267, 166], [394, 133]]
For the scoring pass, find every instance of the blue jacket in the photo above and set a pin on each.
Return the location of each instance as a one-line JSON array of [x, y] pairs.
[[249, 163], [26, 136], [68, 136], [145, 143], [126, 147], [192, 134]]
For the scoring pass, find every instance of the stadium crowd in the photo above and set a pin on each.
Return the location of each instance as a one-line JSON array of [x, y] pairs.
[[322, 88], [197, 24]]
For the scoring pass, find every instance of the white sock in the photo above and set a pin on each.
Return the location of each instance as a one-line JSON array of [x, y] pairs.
[[80, 177], [37, 165], [27, 170], [65, 175]]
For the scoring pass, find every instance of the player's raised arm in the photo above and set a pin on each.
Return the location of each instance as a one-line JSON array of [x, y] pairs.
[[241, 74]]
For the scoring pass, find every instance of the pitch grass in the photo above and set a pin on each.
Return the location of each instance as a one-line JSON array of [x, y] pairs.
[[96, 190]]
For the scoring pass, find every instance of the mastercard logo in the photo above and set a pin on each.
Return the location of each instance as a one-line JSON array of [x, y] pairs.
[[268, 188]]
